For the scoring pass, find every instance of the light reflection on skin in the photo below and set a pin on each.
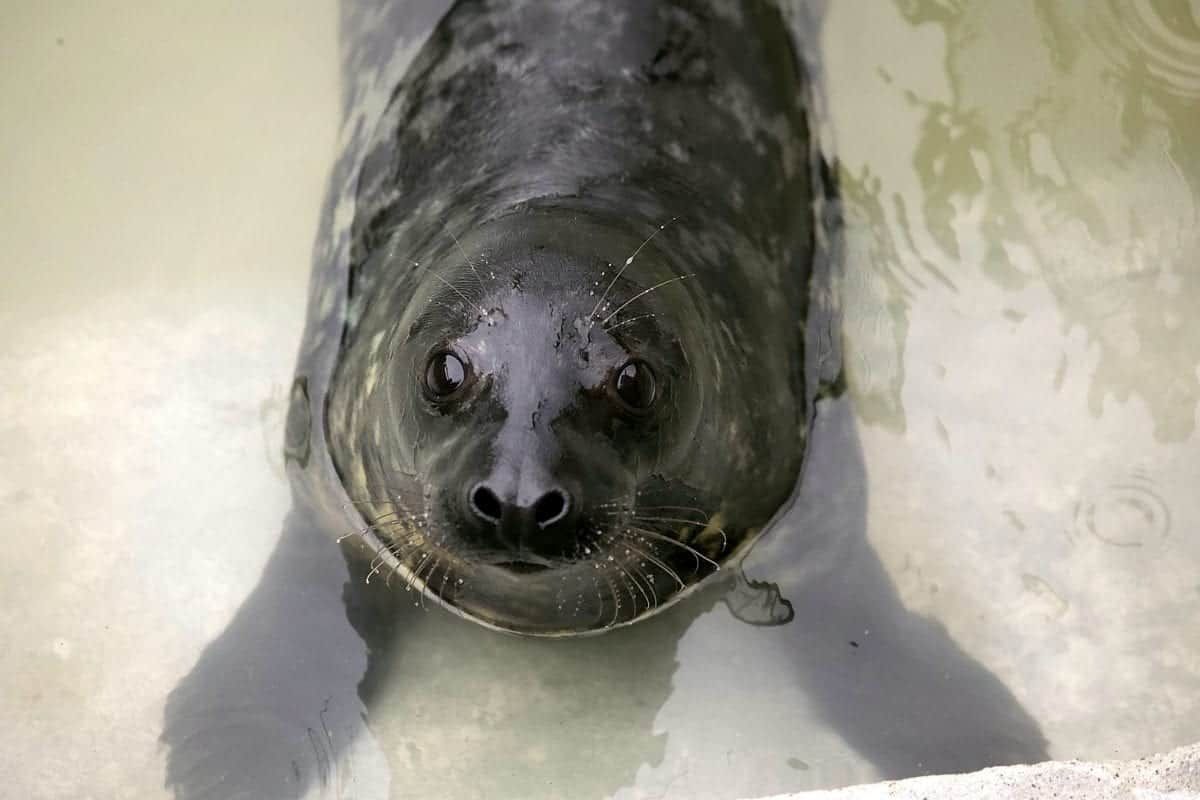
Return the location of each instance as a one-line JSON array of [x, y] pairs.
[[1072, 166]]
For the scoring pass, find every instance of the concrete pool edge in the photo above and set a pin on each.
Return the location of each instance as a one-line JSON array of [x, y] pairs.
[[1174, 775]]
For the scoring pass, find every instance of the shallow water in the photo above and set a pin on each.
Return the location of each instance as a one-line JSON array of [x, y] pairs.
[[994, 553]]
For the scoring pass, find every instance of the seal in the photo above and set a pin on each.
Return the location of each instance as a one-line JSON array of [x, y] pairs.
[[560, 379], [552, 431]]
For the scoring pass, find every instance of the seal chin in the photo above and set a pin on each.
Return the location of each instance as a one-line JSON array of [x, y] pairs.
[[609, 564]]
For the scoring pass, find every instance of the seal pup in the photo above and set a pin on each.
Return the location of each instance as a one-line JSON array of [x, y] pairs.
[[278, 703], [569, 375]]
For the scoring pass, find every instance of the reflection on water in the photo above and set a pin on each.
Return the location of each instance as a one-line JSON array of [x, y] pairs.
[[1056, 146], [1124, 513], [1022, 343], [993, 556]]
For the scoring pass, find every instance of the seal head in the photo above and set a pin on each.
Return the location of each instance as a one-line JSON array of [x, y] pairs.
[[523, 423]]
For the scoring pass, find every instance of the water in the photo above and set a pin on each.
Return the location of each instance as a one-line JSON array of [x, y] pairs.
[[998, 534]]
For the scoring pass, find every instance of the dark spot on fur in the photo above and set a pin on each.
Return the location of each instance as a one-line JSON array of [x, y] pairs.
[[684, 57]]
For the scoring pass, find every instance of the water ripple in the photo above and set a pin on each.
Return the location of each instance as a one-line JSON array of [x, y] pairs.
[[1161, 38], [1128, 512]]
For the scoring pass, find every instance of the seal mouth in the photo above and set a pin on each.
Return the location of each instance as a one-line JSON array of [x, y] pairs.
[[521, 567]]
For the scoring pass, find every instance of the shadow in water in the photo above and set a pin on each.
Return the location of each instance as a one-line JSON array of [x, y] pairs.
[[892, 683], [271, 705], [276, 705]]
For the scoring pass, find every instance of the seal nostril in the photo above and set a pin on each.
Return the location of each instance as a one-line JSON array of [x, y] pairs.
[[550, 508], [485, 504]]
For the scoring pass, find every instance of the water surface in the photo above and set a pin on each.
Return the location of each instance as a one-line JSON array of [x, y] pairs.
[[994, 555]]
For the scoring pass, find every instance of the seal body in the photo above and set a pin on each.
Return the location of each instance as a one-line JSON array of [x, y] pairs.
[[558, 378]]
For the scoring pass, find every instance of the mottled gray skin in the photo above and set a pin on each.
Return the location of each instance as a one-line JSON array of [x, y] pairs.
[[527, 154]]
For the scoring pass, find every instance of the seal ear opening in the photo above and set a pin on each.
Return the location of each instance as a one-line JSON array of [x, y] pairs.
[[297, 439], [823, 337], [758, 603]]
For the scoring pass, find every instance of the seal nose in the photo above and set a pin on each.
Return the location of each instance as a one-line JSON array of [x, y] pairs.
[[548, 509], [486, 505], [537, 527]]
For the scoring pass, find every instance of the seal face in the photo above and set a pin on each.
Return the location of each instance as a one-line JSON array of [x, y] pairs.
[[570, 382]]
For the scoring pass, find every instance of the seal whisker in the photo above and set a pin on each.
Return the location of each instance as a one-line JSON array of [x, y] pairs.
[[427, 590], [392, 252], [388, 581], [645, 292], [399, 497], [677, 543], [614, 326], [377, 527], [366, 501], [395, 548], [625, 266], [467, 257], [455, 289], [633, 510], [433, 302], [411, 545], [411, 576], [657, 562], [628, 580], [612, 591], [616, 601], [599, 595], [399, 550], [648, 581], [395, 516], [376, 563], [415, 574], [358, 505], [425, 582], [693, 523], [442, 588], [362, 532]]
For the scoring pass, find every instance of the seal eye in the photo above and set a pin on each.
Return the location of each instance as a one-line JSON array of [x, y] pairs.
[[634, 387], [445, 374]]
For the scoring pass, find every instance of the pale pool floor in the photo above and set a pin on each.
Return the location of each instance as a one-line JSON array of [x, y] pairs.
[[1023, 351]]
